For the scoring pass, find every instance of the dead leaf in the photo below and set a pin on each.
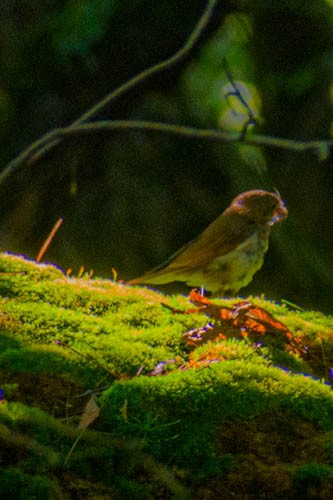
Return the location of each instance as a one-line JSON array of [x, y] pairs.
[[90, 413]]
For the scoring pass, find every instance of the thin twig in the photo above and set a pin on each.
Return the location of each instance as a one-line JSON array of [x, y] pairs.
[[163, 65], [320, 147], [49, 239], [89, 357], [324, 359], [74, 446], [236, 92], [40, 147], [22, 157]]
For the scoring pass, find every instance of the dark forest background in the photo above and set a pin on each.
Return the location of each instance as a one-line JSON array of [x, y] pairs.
[[131, 198]]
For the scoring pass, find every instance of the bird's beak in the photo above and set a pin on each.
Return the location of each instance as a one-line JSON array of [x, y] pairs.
[[280, 213]]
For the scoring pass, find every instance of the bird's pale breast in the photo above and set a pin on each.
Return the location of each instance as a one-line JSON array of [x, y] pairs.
[[235, 269]]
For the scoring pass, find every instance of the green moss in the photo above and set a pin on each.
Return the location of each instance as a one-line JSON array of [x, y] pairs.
[[313, 473], [131, 489], [227, 416], [14, 484], [184, 410]]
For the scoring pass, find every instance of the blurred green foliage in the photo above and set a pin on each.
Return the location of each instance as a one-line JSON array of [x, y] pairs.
[[129, 199], [79, 26]]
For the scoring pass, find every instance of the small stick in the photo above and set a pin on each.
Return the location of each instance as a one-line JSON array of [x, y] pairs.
[[49, 239]]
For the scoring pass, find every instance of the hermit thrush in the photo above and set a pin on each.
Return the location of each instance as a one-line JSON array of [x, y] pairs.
[[227, 254]]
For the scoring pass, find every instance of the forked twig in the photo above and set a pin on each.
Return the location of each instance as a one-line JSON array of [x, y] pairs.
[[51, 139], [251, 120], [80, 126]]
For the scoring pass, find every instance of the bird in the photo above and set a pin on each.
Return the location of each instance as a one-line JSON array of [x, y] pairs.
[[226, 255]]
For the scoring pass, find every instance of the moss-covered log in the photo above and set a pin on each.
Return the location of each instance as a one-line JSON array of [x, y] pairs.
[[252, 424]]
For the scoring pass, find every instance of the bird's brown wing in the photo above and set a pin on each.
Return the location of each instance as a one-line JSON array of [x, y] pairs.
[[228, 231]]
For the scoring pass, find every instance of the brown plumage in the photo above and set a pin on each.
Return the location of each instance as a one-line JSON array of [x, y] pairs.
[[227, 254]]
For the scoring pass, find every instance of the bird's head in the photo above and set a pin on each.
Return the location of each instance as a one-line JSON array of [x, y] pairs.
[[260, 206]]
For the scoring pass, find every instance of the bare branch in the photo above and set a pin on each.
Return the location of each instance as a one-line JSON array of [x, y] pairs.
[[320, 147], [80, 126], [162, 66], [40, 147]]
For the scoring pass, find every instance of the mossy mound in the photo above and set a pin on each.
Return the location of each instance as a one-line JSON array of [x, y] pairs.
[[250, 425]]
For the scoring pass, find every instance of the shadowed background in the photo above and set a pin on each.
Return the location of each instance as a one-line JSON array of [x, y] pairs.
[[129, 199]]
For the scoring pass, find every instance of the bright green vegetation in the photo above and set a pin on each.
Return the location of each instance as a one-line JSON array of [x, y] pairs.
[[242, 424]]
